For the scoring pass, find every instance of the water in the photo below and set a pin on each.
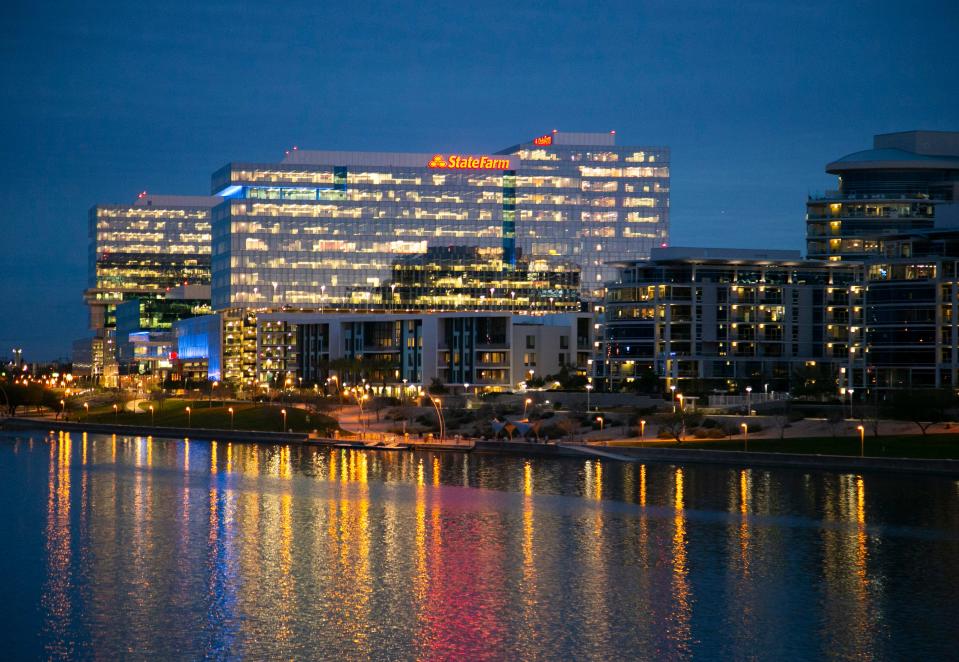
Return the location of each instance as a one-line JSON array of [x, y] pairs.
[[133, 547]]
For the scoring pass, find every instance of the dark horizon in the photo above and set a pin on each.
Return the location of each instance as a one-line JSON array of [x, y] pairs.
[[753, 100]]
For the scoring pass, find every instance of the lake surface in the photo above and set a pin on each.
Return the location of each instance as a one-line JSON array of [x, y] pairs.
[[130, 547]]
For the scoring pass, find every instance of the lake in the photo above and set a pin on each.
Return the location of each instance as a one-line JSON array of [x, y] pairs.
[[173, 549]]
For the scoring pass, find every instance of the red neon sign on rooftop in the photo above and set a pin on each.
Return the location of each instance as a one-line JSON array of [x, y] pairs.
[[461, 162], [543, 141]]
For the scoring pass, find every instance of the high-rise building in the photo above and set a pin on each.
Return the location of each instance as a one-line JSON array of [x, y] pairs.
[[322, 227], [908, 181], [143, 249]]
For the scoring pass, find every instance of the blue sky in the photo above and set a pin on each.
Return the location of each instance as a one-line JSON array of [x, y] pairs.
[[106, 100]]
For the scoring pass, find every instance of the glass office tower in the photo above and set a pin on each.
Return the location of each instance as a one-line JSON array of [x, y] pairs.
[[318, 228], [145, 249]]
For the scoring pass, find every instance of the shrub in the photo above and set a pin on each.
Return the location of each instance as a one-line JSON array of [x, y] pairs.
[[715, 433], [701, 433], [664, 434]]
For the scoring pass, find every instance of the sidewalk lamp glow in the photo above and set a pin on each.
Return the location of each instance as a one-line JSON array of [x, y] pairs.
[[283, 411], [115, 413], [86, 409], [231, 417], [599, 419], [745, 436], [189, 418], [526, 404], [673, 396], [152, 417], [642, 430], [862, 440]]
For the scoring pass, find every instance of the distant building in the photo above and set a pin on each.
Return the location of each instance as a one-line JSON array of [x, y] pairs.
[[718, 319], [911, 302], [143, 249], [486, 350], [145, 340], [908, 182]]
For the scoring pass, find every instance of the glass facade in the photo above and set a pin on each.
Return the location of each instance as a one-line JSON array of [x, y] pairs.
[[320, 227], [145, 249]]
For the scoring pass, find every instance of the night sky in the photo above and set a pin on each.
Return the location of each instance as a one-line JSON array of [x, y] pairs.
[[103, 100]]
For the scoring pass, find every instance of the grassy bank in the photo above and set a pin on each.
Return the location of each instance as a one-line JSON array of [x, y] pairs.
[[246, 416], [933, 446]]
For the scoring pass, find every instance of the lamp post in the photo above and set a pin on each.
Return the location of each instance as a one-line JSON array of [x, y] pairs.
[[766, 392], [599, 419], [152, 417], [63, 408], [526, 404], [749, 401], [115, 414], [589, 388], [231, 417], [862, 440], [682, 407], [283, 411], [849, 391], [189, 418], [86, 410], [745, 436], [438, 405], [642, 430], [673, 396]]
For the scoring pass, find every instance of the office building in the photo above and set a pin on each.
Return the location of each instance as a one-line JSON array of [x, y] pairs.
[[907, 182], [323, 229], [718, 319], [487, 350], [143, 249], [144, 328]]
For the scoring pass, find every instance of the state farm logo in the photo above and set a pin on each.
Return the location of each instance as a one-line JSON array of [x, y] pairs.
[[462, 162]]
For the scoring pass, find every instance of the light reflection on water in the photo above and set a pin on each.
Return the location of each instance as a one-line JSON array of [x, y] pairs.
[[176, 548]]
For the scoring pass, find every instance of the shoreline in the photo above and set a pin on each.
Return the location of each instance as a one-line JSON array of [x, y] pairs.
[[838, 463]]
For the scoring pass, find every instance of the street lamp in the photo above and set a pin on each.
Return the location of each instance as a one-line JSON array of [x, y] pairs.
[[679, 396], [642, 430], [849, 391], [152, 417], [526, 404], [283, 411], [189, 418], [766, 392], [749, 401], [231, 417], [438, 405], [673, 396], [589, 388], [63, 408], [745, 436], [599, 419], [862, 440], [86, 410], [115, 410]]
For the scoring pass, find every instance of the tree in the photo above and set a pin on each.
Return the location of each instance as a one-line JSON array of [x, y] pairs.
[[813, 381], [678, 422], [924, 408], [437, 387]]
